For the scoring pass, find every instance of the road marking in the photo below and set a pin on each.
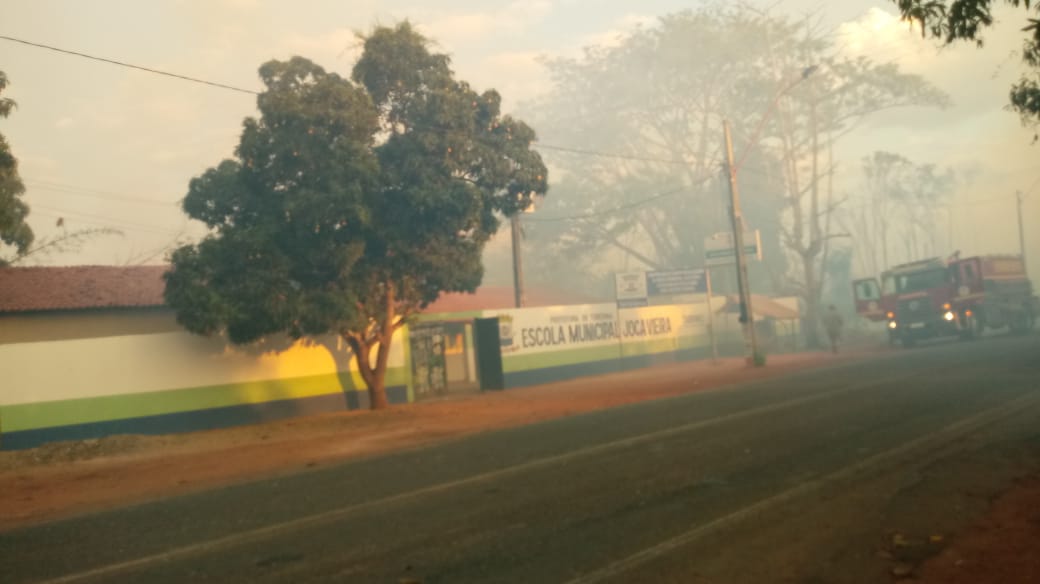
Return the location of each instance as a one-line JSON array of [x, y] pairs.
[[327, 517], [932, 441]]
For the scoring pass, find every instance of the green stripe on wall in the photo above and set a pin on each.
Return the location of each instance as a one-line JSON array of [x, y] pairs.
[[117, 407]]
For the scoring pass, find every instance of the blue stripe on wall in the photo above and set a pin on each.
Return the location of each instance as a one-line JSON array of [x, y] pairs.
[[561, 373], [359, 400], [200, 419], [564, 372]]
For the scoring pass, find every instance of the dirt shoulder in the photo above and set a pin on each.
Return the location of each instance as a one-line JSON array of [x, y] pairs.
[[64, 479], [1002, 548]]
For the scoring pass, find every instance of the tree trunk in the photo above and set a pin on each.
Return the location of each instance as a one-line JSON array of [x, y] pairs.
[[361, 344], [812, 286], [377, 390], [373, 377], [812, 305]]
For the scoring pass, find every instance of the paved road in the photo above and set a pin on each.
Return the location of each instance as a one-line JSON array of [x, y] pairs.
[[793, 479]]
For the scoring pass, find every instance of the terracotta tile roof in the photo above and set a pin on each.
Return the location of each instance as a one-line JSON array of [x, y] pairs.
[[499, 297], [85, 287], [80, 287]]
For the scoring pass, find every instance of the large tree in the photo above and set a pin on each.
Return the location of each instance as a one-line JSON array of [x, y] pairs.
[[658, 100], [959, 20], [15, 234], [351, 204]]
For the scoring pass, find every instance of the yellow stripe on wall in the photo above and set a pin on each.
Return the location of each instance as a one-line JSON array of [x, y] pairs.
[[109, 366]]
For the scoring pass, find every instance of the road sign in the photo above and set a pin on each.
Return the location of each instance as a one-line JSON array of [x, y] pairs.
[[637, 288], [630, 289], [718, 249], [676, 282]]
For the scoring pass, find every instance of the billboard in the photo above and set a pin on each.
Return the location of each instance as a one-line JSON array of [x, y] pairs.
[[539, 330], [636, 289]]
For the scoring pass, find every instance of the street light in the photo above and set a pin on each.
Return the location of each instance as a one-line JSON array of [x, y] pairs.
[[747, 315]]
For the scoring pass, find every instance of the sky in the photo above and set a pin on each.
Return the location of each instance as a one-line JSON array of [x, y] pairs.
[[106, 146]]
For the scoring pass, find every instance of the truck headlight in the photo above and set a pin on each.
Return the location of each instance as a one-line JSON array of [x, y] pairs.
[[892, 324], [949, 316]]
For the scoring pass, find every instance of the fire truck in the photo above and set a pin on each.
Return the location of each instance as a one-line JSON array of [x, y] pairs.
[[949, 297]]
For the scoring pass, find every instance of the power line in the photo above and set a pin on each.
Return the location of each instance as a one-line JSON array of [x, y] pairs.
[[107, 221], [131, 66], [859, 203], [609, 155], [253, 92], [94, 194], [104, 224], [620, 208], [606, 211], [639, 202], [1029, 190]]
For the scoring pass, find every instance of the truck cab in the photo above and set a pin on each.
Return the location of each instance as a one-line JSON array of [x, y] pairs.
[[921, 304]]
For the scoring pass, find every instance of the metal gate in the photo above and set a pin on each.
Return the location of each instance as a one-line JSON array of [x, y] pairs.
[[429, 376], [443, 358]]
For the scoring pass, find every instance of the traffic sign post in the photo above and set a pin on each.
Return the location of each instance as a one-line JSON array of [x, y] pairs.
[[630, 289], [719, 249]]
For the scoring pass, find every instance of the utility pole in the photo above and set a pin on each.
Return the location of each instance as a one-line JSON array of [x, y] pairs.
[[518, 262], [1019, 197], [711, 316], [747, 316]]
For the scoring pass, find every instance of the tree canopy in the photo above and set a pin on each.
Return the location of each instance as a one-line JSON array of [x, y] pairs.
[[959, 20], [351, 204], [15, 234], [657, 100]]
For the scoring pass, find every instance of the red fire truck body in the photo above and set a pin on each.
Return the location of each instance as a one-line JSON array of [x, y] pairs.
[[952, 297]]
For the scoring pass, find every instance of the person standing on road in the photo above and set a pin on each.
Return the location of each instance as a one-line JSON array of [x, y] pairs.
[[833, 322]]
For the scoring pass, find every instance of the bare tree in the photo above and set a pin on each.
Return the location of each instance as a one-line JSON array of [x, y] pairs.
[[895, 217], [812, 116], [65, 242]]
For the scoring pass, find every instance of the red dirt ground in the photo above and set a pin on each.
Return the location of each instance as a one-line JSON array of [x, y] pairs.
[[1003, 548], [64, 479]]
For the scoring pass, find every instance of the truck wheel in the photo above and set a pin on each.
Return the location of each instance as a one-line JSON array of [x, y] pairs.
[[1024, 323], [1018, 326], [972, 328]]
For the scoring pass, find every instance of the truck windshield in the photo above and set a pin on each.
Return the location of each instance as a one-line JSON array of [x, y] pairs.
[[917, 281]]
